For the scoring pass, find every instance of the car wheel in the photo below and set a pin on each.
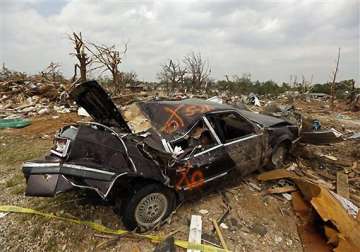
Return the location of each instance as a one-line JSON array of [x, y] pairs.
[[279, 156], [148, 206]]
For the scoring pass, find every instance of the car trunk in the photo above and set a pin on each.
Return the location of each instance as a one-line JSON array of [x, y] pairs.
[[98, 149], [93, 98]]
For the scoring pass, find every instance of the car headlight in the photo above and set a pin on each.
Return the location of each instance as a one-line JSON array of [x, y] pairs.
[[61, 146]]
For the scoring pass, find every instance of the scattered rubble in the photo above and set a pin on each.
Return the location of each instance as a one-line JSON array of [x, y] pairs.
[[324, 185], [33, 96]]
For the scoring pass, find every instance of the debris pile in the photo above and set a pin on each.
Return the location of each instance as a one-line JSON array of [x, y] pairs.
[[33, 96], [318, 207]]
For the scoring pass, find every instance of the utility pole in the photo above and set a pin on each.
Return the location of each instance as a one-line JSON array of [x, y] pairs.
[[333, 82]]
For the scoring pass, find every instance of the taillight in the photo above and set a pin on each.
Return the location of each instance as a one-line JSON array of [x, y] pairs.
[[61, 146]]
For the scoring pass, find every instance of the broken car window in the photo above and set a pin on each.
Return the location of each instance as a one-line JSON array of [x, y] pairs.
[[199, 136], [230, 126]]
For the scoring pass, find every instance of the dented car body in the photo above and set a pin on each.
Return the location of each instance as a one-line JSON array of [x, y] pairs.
[[150, 154]]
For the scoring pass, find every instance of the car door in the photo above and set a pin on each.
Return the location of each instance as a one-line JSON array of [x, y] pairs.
[[242, 140], [204, 164]]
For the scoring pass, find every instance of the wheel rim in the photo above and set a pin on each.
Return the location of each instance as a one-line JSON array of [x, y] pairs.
[[151, 209]]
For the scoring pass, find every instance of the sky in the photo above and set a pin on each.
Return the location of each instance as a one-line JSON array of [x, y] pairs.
[[268, 39]]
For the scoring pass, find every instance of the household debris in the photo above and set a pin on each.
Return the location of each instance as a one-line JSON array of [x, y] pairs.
[[253, 99], [203, 211], [33, 96]]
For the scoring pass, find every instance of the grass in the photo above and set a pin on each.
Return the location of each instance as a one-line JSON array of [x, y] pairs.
[[16, 149], [51, 244], [15, 180]]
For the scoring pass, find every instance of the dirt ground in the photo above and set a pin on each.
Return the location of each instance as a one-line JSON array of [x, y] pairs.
[[256, 222]]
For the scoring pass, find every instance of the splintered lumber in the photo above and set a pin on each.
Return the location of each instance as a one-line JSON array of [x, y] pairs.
[[275, 174], [328, 207], [282, 189], [342, 184], [218, 231], [195, 231], [307, 228]]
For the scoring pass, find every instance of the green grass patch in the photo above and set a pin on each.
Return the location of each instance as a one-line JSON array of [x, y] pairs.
[[16, 149], [15, 180]]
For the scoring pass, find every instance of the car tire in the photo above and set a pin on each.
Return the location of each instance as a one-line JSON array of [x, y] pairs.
[[147, 207], [278, 156]]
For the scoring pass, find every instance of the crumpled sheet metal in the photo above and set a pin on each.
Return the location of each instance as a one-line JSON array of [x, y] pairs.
[[328, 208], [319, 137]]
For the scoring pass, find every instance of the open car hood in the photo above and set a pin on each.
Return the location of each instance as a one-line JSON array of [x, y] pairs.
[[93, 98]]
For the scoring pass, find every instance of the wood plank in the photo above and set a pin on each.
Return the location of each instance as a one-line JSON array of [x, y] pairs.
[[195, 231], [282, 189], [311, 239], [342, 184], [218, 231]]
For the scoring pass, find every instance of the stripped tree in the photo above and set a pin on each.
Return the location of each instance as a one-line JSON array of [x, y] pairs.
[[198, 70], [172, 74], [81, 55], [109, 58], [52, 72]]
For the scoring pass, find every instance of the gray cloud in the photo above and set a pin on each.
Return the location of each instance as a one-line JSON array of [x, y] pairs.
[[270, 39]]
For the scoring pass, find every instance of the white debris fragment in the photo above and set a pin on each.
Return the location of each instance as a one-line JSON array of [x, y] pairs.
[[278, 239], [292, 167], [2, 215], [43, 111], [195, 231], [216, 99], [289, 242], [224, 226], [287, 196], [254, 186], [203, 211], [178, 150], [347, 204], [82, 112]]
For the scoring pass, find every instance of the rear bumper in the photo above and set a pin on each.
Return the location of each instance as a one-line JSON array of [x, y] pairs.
[[45, 167], [46, 185], [46, 179]]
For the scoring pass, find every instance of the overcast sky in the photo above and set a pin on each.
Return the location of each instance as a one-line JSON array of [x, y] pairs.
[[269, 39]]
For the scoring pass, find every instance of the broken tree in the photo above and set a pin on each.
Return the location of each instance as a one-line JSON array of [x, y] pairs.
[[80, 54]]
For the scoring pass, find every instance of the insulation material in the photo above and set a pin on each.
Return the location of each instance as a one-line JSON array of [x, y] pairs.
[[136, 119]]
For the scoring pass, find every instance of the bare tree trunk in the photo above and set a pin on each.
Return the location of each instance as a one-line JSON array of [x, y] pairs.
[[81, 55], [333, 82]]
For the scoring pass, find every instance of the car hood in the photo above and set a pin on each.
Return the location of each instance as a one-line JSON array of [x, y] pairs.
[[264, 120], [93, 98]]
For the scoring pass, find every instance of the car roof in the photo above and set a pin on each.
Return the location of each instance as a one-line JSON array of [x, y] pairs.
[[173, 118]]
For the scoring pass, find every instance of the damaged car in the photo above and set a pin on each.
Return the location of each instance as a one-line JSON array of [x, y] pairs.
[[149, 155]]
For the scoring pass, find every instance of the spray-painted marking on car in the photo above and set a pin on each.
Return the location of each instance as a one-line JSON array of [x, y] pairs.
[[190, 181], [192, 110], [174, 122]]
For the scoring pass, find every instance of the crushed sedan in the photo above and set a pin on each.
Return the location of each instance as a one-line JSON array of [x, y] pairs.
[[149, 155]]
